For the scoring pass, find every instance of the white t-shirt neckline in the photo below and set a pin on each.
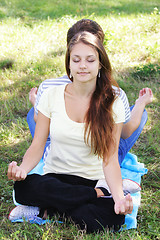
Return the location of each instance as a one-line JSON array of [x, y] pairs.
[[80, 124]]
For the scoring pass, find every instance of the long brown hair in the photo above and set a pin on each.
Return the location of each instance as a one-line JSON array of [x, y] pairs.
[[99, 118]]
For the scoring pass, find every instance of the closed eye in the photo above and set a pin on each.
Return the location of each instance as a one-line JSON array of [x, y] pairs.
[[76, 60], [90, 60]]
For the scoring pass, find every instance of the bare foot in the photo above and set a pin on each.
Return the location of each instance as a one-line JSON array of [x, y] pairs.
[[33, 95], [45, 215], [99, 192]]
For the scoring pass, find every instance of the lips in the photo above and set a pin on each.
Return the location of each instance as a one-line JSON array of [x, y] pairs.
[[82, 73]]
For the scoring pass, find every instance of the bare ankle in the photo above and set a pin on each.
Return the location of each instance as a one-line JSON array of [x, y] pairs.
[[99, 192], [45, 215]]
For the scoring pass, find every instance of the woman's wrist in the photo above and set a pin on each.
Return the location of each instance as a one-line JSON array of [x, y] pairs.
[[140, 103], [118, 196]]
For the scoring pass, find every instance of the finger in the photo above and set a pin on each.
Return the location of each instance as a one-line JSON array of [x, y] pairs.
[[23, 175], [122, 209], [129, 204], [122, 206], [14, 170], [10, 169], [127, 207], [31, 91], [36, 90], [150, 91], [9, 172], [18, 175], [141, 93], [145, 90], [128, 196], [116, 209], [130, 209]]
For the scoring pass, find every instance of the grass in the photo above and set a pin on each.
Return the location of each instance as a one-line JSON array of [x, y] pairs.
[[32, 46]]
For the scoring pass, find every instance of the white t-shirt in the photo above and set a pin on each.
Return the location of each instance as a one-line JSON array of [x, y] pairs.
[[68, 152], [64, 80]]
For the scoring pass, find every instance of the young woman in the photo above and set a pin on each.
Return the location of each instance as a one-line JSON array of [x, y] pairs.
[[85, 120], [135, 117]]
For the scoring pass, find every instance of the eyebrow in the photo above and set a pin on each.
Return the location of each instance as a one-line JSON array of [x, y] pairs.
[[87, 56]]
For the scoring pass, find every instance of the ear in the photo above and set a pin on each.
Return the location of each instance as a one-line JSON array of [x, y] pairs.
[[100, 66]]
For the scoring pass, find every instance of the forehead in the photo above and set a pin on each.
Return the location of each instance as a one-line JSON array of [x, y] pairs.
[[81, 49]]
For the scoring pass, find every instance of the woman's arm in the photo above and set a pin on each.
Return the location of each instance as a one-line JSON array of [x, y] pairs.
[[34, 152], [112, 172], [145, 97]]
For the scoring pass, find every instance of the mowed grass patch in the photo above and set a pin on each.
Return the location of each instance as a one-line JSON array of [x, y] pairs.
[[51, 10]]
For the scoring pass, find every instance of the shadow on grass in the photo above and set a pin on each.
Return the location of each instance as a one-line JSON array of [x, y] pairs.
[[42, 9], [131, 80], [148, 71], [6, 64]]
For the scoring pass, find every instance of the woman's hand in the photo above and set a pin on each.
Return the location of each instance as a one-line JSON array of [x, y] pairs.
[[145, 96], [15, 172], [124, 206]]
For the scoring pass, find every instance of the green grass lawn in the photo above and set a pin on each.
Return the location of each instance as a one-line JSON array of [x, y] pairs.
[[32, 48]]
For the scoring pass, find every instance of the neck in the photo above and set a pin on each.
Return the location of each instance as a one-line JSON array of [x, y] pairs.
[[83, 90]]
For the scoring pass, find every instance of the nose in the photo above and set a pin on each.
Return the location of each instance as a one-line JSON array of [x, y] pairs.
[[82, 64]]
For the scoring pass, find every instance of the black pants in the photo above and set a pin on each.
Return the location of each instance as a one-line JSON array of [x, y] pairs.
[[70, 195]]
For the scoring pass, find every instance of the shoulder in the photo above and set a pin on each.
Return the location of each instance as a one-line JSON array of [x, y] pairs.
[[50, 99], [49, 83], [53, 91], [118, 102], [54, 82], [118, 110], [122, 95], [119, 92]]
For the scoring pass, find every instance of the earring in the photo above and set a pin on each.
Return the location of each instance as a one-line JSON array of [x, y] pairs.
[[99, 74], [70, 75]]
